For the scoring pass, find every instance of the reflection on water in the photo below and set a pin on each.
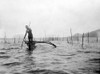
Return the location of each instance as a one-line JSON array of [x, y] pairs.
[[28, 61]]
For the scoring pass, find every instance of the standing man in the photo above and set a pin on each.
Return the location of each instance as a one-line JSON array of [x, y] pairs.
[[29, 32], [30, 38]]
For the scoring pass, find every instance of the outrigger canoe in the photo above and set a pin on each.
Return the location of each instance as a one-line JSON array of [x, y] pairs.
[[31, 45]]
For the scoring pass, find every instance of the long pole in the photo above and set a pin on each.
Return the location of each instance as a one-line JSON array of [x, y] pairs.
[[71, 36], [97, 39], [5, 38], [83, 40], [88, 37]]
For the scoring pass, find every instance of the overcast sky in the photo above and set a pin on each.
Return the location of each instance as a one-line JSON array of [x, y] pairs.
[[49, 17]]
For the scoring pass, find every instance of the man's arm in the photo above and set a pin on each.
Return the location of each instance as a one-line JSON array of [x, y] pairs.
[[23, 39], [25, 35]]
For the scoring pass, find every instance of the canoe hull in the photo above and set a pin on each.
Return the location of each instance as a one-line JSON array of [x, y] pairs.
[[31, 45]]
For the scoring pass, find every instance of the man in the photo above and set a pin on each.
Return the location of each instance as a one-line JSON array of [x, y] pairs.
[[29, 32]]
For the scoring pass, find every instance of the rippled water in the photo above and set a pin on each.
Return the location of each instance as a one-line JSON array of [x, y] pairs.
[[65, 59]]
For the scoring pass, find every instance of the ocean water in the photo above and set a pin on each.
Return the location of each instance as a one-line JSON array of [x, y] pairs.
[[45, 59]]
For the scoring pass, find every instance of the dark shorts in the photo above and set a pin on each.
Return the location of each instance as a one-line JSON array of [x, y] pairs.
[[30, 37]]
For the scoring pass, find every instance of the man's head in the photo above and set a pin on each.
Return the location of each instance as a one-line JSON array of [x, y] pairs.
[[27, 27]]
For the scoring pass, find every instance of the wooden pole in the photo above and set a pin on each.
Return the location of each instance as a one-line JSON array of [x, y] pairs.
[[14, 40], [88, 37], [97, 39], [5, 38], [71, 36], [83, 40], [67, 40]]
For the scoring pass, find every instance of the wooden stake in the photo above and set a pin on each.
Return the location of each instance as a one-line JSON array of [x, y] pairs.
[[14, 40], [88, 37], [77, 38], [5, 38], [71, 36], [97, 39], [83, 40], [67, 40]]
